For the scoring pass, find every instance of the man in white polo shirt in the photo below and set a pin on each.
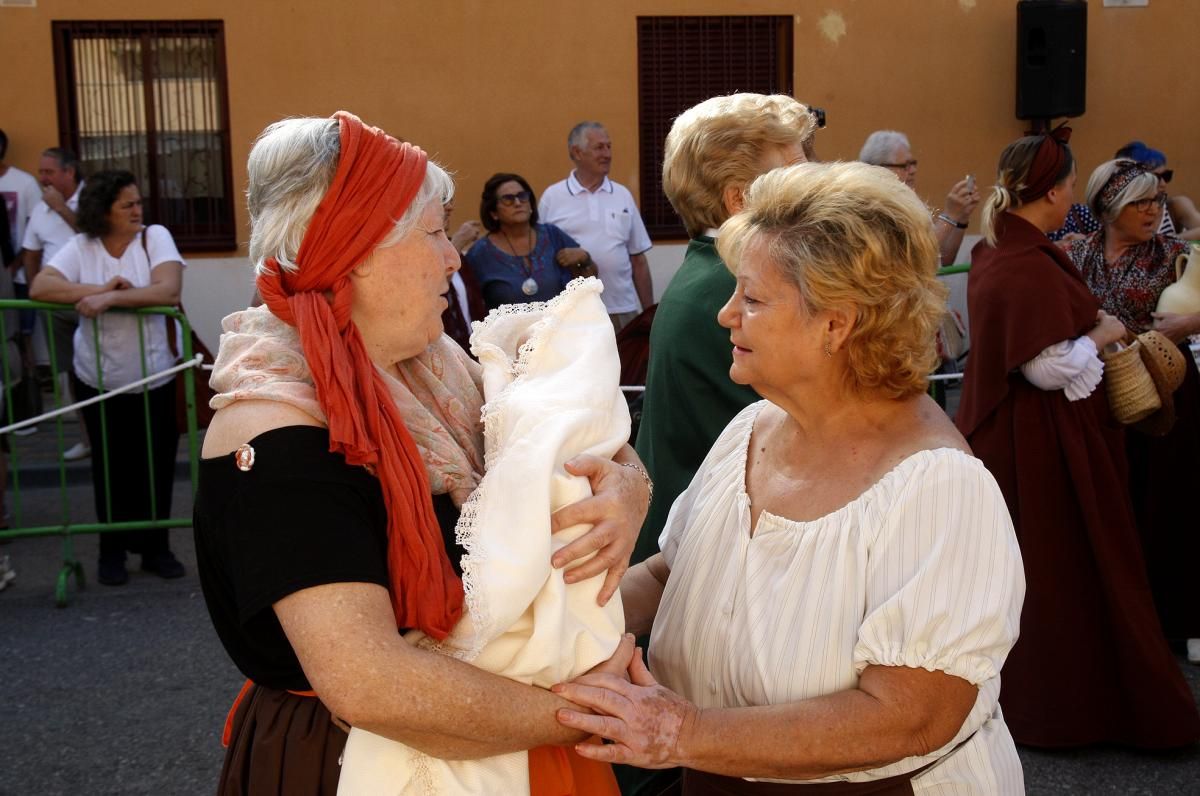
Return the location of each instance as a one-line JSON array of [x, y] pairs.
[[602, 216], [50, 226]]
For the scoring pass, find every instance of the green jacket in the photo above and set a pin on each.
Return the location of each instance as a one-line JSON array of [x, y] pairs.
[[689, 396]]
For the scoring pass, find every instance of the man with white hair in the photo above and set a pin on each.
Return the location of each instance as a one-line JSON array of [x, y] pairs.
[[602, 216], [890, 149]]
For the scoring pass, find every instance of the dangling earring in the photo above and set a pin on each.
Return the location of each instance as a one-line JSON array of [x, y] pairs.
[[828, 350]]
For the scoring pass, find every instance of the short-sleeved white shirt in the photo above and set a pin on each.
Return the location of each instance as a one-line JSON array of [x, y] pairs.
[[21, 193], [608, 225], [921, 570], [85, 260], [46, 231]]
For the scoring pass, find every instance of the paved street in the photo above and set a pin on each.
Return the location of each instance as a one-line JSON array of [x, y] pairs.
[[125, 690]]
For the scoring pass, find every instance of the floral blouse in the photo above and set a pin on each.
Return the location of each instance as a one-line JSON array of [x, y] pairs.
[[1128, 288]]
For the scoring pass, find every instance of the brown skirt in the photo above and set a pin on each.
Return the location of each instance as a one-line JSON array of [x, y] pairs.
[[284, 744]]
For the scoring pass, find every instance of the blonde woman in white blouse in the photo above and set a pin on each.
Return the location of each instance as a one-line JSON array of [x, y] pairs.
[[840, 585]]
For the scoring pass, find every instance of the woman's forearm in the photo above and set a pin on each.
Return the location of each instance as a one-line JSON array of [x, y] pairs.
[[345, 637], [851, 730], [164, 295], [641, 592], [57, 290], [452, 710]]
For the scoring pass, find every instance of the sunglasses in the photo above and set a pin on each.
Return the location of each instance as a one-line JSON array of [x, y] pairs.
[[1165, 175], [818, 115], [510, 199], [906, 165], [1142, 205]]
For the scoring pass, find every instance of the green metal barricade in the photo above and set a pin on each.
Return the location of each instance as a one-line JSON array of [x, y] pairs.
[[65, 524]]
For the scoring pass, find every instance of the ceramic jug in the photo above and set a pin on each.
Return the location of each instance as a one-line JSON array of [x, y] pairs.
[[1184, 295]]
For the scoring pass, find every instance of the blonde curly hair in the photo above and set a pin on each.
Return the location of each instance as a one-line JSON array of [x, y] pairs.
[[722, 141], [850, 234]]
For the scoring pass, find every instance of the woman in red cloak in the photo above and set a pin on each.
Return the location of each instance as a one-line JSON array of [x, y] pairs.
[[1091, 664]]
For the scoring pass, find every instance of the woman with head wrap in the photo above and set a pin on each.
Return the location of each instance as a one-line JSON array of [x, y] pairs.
[[1179, 217], [1127, 265], [1091, 664], [341, 408]]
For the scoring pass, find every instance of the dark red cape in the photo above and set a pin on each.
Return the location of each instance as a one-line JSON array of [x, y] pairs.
[[1091, 664]]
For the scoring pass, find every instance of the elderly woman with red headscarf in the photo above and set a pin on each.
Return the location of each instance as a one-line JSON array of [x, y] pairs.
[[1091, 664], [341, 408], [1127, 265]]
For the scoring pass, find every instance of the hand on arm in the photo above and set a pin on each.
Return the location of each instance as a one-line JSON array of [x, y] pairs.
[[166, 281], [894, 713], [344, 635], [621, 496], [576, 259], [51, 286]]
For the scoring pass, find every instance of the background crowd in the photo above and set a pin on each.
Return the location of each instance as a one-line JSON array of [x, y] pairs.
[[1081, 517]]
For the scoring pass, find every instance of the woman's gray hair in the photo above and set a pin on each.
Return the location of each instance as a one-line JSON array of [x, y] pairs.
[[1142, 186], [880, 145], [290, 168]]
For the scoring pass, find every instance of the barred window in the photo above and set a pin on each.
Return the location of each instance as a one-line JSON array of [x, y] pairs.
[[151, 97], [684, 60]]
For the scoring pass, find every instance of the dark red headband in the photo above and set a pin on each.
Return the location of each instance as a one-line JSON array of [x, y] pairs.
[[377, 179], [1047, 165]]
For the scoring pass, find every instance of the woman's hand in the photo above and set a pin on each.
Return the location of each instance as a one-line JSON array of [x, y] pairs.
[[95, 304], [616, 510], [618, 664], [576, 258], [1176, 326], [644, 720], [1107, 330]]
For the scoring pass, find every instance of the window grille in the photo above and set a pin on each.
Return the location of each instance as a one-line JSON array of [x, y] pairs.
[[151, 97], [684, 60]]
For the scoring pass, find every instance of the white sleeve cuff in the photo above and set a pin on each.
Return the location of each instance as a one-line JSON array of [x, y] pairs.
[[1072, 366]]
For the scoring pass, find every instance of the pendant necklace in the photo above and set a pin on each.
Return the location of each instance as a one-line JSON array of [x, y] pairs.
[[530, 285]]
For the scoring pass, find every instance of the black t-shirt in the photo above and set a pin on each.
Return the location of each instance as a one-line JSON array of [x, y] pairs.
[[300, 517]]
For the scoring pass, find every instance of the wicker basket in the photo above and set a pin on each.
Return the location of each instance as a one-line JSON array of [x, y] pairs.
[[1166, 366], [1131, 393]]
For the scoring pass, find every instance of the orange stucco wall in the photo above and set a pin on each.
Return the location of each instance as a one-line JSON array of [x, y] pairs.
[[495, 86]]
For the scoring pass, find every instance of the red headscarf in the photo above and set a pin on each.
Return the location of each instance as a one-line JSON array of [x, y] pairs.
[[1047, 164], [377, 178]]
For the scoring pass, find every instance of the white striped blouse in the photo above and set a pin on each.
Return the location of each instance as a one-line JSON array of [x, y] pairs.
[[921, 570]]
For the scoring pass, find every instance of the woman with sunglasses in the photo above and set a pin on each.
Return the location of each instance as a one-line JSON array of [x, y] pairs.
[[520, 260], [1180, 217], [1127, 264]]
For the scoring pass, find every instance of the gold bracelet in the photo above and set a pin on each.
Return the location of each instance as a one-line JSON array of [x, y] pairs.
[[637, 468]]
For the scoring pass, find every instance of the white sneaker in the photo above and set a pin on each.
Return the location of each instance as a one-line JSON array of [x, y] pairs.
[[1193, 650], [25, 432], [7, 573], [76, 452]]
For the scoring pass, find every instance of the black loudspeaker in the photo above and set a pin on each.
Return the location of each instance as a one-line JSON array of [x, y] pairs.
[[1051, 58]]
